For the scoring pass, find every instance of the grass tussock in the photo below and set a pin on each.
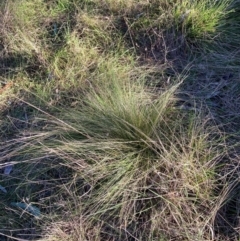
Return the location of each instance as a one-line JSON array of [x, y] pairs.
[[119, 120], [131, 154]]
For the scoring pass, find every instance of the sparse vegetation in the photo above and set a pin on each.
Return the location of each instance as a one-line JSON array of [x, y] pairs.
[[119, 120]]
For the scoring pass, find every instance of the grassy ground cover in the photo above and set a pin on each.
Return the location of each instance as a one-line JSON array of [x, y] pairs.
[[119, 120]]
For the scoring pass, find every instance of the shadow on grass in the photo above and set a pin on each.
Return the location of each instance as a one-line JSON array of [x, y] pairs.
[[12, 64]]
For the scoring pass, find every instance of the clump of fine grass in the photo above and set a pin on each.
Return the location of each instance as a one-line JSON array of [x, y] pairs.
[[199, 20], [132, 153]]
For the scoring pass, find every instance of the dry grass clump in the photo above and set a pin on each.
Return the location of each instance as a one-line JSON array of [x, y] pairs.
[[139, 166]]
